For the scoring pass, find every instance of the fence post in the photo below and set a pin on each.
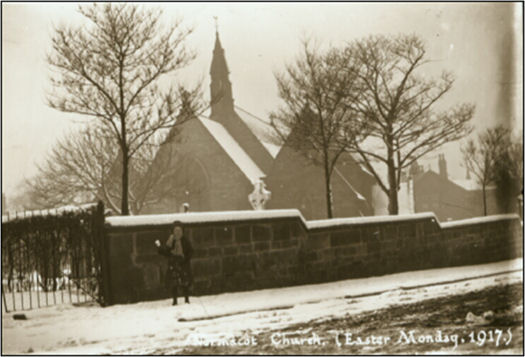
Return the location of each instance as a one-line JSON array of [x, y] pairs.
[[102, 243], [4, 299]]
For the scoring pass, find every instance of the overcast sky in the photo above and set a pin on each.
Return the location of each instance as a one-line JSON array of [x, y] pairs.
[[478, 42]]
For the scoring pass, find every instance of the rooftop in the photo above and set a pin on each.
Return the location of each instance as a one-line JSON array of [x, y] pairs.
[[234, 150]]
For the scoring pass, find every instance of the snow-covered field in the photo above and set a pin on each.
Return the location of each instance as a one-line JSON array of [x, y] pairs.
[[145, 327]]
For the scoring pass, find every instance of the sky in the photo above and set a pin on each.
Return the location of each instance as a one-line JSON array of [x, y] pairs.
[[481, 43]]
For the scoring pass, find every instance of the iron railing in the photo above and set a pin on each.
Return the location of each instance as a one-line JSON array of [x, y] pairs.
[[53, 257]]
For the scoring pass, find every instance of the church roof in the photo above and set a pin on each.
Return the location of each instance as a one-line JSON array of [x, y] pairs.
[[233, 149], [358, 195], [260, 128]]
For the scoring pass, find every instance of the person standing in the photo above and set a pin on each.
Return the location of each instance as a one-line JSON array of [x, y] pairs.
[[178, 250]]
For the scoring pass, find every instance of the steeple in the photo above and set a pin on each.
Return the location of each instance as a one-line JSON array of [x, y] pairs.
[[220, 86], [223, 110]]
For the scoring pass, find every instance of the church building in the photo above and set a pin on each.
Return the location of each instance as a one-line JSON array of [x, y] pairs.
[[218, 161]]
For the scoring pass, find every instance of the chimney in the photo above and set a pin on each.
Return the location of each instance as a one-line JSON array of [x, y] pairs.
[[442, 166]]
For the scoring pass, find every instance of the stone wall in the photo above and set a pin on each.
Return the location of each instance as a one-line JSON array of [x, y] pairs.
[[245, 250]]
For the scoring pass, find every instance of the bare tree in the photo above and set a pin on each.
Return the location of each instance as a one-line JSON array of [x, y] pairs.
[[314, 115], [508, 172], [85, 166], [76, 169], [495, 158], [110, 70], [396, 104], [480, 162]]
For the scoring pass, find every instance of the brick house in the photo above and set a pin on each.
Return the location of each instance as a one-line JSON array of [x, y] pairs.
[[450, 199]]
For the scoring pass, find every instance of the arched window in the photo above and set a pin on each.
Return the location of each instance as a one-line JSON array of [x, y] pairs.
[[191, 185]]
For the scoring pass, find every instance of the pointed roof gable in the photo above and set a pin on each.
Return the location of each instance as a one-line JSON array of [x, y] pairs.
[[230, 146]]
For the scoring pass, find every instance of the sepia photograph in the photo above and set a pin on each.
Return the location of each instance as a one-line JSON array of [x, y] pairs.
[[262, 178]]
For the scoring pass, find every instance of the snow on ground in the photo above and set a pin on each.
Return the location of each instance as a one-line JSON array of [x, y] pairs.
[[26, 300], [143, 327]]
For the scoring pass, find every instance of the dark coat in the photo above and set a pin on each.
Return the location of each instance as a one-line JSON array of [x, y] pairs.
[[179, 272], [187, 250]]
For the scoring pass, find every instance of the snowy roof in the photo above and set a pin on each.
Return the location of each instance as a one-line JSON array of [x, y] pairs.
[[234, 150], [359, 196], [273, 149], [260, 128], [200, 217], [469, 185]]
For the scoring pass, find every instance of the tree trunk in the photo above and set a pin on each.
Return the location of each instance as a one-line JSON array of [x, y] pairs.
[[123, 145], [393, 206], [125, 181], [484, 200], [124, 209], [328, 190]]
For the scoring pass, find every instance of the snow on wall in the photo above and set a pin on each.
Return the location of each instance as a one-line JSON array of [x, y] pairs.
[[370, 219], [234, 150], [478, 220], [200, 217], [228, 216], [236, 259]]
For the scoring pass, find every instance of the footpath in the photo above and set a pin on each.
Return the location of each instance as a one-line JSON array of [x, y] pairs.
[[142, 328]]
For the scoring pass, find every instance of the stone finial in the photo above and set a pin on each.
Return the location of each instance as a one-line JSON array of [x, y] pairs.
[[260, 195]]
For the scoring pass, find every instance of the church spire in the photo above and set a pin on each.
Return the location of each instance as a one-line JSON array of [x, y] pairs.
[[220, 86]]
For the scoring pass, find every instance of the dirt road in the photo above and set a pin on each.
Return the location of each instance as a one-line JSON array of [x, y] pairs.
[[436, 325]]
